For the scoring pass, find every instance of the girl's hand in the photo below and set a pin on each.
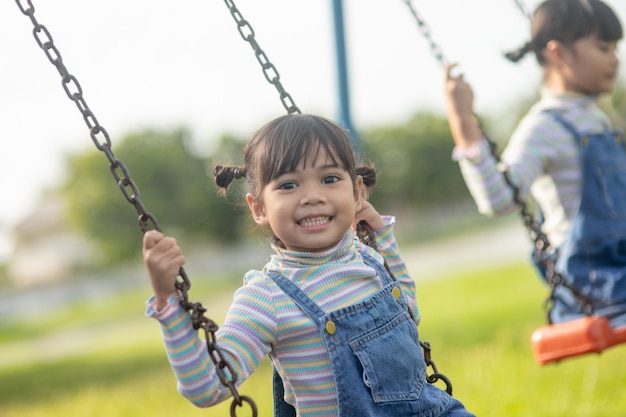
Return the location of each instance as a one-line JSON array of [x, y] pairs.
[[367, 213], [458, 93], [163, 259], [460, 109]]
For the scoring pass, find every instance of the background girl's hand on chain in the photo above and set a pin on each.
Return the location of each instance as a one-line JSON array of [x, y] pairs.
[[460, 109]]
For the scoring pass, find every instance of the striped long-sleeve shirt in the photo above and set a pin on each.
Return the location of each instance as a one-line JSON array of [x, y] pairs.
[[262, 320], [542, 159]]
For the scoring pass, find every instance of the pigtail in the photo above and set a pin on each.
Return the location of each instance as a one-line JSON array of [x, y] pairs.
[[225, 175], [363, 230], [368, 173], [518, 54]]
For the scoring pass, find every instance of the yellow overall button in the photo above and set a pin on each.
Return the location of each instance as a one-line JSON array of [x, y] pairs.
[[396, 292], [330, 327]]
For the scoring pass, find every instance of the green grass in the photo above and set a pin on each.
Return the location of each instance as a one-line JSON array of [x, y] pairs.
[[106, 359]]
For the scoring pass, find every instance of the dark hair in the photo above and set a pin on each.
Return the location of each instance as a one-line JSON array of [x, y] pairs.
[[567, 21], [283, 143]]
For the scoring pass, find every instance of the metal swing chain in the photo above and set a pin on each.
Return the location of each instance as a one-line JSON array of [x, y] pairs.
[[544, 253], [269, 70], [425, 30], [543, 250], [147, 221], [524, 9], [364, 232]]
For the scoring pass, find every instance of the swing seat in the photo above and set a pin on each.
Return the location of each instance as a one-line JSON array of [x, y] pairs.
[[592, 334]]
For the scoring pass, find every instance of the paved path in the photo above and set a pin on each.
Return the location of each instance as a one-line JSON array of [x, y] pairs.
[[497, 246], [493, 247]]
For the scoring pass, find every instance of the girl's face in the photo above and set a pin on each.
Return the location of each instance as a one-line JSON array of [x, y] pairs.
[[590, 66], [311, 208]]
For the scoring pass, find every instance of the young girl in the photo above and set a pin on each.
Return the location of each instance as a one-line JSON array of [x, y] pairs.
[[564, 153], [340, 330]]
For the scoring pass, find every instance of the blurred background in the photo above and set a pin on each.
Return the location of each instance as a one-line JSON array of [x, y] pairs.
[[179, 91]]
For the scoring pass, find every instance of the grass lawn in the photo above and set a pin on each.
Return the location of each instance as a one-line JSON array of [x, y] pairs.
[[107, 359]]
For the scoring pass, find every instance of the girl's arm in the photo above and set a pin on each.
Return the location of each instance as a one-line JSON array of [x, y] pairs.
[[187, 354], [524, 161], [388, 248], [244, 338], [386, 245], [185, 349], [460, 110]]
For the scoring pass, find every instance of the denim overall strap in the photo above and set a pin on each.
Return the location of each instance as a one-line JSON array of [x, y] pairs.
[[281, 408], [374, 351], [593, 256]]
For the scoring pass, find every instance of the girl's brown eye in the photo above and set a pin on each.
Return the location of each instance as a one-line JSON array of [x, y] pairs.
[[287, 186], [330, 179]]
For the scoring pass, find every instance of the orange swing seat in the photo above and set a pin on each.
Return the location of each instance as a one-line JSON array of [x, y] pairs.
[[591, 334]]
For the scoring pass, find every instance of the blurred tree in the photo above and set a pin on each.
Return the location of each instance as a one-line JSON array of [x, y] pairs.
[[173, 185], [414, 164], [615, 105]]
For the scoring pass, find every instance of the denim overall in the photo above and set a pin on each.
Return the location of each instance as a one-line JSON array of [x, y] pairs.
[[376, 358], [593, 256]]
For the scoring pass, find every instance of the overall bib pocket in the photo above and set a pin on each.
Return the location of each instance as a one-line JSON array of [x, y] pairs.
[[392, 360]]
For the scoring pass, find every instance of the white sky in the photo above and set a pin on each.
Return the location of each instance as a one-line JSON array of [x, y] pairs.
[[146, 63]]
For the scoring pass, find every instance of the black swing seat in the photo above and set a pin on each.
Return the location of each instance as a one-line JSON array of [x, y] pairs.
[[589, 334]]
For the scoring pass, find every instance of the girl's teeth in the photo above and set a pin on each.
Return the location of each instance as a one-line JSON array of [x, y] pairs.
[[315, 221]]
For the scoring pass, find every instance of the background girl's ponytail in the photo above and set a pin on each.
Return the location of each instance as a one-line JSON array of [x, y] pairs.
[[519, 53], [225, 175]]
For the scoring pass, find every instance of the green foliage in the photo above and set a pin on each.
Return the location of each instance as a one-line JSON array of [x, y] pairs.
[[172, 185], [615, 105], [414, 164]]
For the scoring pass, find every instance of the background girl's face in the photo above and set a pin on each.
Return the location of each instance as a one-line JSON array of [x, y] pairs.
[[310, 208], [591, 65]]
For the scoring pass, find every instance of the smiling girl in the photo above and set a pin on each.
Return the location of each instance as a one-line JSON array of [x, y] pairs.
[[339, 328]]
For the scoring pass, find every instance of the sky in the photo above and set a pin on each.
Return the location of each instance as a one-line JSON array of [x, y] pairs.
[[157, 64]]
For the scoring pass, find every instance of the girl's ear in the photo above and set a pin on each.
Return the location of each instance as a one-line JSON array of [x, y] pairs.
[[359, 192], [553, 52], [257, 210]]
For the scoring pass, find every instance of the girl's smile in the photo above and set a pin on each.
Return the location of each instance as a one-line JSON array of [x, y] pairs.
[[315, 223]]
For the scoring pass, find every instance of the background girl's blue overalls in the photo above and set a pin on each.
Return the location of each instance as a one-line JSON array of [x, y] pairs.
[[593, 256], [375, 355]]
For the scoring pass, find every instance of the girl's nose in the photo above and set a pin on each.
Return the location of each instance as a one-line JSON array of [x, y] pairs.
[[313, 194]]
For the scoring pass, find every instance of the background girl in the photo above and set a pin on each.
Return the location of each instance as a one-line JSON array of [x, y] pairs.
[[564, 153]]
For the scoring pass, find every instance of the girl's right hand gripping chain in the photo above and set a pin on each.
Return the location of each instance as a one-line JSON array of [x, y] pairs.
[[163, 258], [459, 105]]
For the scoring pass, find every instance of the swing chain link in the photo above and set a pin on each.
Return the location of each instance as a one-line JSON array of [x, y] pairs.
[[436, 375], [147, 221], [425, 29], [524, 9], [269, 70]]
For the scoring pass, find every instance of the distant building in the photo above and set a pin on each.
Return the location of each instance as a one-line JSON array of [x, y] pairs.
[[44, 249]]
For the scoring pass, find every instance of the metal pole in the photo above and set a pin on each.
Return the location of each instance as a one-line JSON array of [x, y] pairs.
[[342, 73]]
